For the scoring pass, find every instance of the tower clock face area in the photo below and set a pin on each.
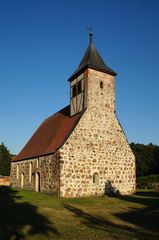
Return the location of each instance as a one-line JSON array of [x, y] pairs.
[[77, 95]]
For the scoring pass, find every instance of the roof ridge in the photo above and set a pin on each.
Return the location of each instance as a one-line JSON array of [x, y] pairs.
[[54, 114]]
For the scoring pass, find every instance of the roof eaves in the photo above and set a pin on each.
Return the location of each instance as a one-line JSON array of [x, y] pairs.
[[77, 73], [32, 157]]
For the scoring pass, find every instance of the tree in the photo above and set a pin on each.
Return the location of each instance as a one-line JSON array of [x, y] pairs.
[[147, 159], [5, 160]]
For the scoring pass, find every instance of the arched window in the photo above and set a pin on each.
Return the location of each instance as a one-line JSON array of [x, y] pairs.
[[17, 171], [30, 171], [101, 84], [96, 178]]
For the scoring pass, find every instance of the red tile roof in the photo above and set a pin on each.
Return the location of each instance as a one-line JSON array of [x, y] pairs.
[[50, 136]]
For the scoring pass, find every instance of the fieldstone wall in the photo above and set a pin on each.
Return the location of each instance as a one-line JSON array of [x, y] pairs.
[[47, 168], [97, 146]]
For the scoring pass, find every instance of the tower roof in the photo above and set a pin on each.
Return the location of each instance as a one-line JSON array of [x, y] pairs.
[[92, 59]]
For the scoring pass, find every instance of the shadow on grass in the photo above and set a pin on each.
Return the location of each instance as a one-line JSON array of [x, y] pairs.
[[148, 194], [147, 217], [20, 219], [145, 220]]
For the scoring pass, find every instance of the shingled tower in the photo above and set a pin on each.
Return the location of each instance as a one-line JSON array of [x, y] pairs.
[[81, 150]]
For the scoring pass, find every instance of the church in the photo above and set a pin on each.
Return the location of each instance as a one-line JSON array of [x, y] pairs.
[[80, 150]]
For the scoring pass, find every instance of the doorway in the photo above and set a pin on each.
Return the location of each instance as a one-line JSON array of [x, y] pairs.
[[22, 180], [37, 182]]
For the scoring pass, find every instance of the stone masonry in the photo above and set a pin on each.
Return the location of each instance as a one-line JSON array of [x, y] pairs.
[[97, 145], [47, 167]]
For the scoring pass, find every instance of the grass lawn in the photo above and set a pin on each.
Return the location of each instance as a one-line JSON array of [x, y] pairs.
[[28, 215]]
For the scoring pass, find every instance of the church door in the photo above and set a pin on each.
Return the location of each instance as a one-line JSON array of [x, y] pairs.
[[37, 182]]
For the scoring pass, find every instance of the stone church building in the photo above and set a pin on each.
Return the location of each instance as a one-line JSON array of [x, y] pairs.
[[82, 149]]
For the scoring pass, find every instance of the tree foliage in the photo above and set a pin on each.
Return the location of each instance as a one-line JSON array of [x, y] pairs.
[[5, 160], [147, 159]]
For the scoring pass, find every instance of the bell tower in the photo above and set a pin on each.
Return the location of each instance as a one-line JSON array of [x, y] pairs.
[[80, 82]]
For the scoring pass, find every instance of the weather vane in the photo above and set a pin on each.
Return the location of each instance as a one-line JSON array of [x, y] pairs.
[[90, 30]]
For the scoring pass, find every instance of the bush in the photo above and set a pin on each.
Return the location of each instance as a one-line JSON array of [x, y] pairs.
[[148, 182], [147, 159]]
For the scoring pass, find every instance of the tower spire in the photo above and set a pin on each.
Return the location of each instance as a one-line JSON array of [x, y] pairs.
[[92, 59]]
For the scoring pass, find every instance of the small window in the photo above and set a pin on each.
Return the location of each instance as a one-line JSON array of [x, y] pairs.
[[96, 178], [79, 87], [101, 84], [74, 90]]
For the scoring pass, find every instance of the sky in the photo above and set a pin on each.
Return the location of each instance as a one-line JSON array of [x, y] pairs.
[[42, 43]]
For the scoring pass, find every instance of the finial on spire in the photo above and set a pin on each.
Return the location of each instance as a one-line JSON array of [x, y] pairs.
[[90, 34]]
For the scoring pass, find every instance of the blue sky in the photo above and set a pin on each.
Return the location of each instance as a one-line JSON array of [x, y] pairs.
[[42, 43]]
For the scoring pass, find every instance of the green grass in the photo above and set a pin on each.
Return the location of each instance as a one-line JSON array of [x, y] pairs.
[[28, 215]]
